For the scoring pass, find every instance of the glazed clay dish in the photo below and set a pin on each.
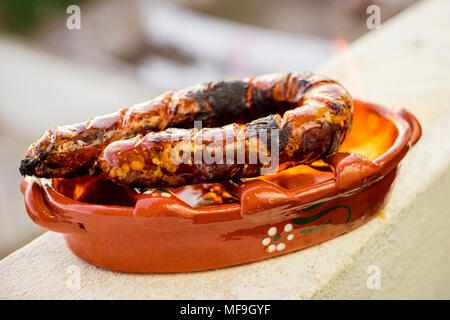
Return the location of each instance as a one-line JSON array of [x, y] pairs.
[[216, 224]]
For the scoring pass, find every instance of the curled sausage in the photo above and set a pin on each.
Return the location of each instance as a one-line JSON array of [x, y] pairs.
[[317, 114], [316, 117]]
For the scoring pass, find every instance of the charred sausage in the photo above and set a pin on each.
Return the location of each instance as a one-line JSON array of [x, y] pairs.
[[317, 113], [317, 116]]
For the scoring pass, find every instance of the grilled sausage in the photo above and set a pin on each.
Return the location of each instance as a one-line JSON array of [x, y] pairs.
[[317, 115]]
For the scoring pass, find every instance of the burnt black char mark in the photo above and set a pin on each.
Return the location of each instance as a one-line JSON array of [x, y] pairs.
[[266, 125], [28, 166], [227, 99]]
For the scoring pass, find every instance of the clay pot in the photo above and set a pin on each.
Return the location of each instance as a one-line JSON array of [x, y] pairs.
[[118, 228]]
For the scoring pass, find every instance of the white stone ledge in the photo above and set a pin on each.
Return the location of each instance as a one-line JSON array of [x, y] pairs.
[[405, 63]]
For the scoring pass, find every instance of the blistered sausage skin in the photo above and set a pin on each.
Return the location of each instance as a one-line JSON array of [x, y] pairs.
[[316, 117]]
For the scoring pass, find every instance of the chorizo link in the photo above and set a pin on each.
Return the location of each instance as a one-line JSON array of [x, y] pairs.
[[317, 116], [321, 110]]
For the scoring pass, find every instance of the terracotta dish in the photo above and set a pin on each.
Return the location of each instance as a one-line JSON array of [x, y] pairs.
[[199, 227]]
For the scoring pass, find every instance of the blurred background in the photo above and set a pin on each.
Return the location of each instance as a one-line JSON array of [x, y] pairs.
[[131, 50]]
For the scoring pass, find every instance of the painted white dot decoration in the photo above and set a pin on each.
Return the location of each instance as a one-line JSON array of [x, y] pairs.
[[275, 237], [272, 231]]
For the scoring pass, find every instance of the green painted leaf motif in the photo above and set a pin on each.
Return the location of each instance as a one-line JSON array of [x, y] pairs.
[[276, 238], [307, 220], [315, 228]]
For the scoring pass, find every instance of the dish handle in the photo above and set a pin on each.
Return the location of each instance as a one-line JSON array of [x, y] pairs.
[[39, 211]]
